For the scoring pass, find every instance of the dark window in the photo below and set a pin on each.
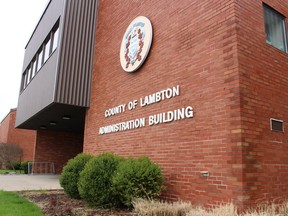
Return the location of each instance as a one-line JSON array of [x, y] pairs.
[[275, 28], [23, 85]]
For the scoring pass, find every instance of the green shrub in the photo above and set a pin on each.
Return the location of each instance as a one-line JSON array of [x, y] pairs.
[[24, 166], [137, 178], [14, 165], [70, 175], [96, 180]]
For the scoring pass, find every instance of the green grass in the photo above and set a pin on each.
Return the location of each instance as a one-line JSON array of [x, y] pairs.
[[4, 171], [11, 204]]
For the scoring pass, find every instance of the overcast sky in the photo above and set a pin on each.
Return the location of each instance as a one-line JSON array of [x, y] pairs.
[[18, 18]]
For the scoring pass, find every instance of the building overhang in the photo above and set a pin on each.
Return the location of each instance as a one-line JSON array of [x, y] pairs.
[[57, 117]]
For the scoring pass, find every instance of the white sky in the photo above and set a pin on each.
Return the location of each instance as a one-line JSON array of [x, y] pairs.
[[18, 18]]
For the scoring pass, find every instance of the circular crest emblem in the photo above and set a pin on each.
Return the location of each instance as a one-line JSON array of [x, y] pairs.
[[136, 44]]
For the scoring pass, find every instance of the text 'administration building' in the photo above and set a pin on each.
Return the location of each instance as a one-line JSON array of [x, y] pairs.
[[208, 103]]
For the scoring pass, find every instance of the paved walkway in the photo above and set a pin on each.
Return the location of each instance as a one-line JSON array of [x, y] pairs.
[[29, 182]]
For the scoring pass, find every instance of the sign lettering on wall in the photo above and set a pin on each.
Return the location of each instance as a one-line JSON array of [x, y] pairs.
[[155, 119]]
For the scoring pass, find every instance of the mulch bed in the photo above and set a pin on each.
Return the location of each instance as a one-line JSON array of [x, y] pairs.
[[56, 203]]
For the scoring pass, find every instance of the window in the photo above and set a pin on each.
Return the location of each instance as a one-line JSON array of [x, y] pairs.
[[34, 68], [55, 39], [28, 75], [24, 80], [275, 28], [47, 50], [40, 57]]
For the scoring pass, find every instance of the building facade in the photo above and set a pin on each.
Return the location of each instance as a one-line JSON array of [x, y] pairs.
[[56, 79], [11, 135], [209, 104]]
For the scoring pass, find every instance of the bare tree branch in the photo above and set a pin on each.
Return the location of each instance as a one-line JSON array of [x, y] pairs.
[[10, 153]]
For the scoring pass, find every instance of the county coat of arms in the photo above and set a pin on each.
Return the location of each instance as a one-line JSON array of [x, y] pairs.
[[136, 44]]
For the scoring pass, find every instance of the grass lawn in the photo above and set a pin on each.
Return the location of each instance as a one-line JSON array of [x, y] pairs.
[[2, 171], [11, 204]]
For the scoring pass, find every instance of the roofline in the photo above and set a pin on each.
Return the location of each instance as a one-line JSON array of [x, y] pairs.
[[11, 110], [38, 22]]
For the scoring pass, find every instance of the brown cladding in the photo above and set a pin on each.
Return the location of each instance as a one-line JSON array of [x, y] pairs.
[[75, 60]]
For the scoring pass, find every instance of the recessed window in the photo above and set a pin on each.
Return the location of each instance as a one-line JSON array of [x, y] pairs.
[[40, 57], [34, 68], [24, 80], [275, 28], [47, 50], [28, 75], [55, 39]]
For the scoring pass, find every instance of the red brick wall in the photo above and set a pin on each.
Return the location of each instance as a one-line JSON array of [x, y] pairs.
[[216, 51], [194, 46], [264, 94], [24, 138], [4, 129], [57, 147]]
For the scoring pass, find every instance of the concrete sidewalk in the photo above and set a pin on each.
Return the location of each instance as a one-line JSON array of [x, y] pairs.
[[29, 182]]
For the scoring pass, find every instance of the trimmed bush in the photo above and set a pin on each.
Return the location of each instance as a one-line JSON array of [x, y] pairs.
[[137, 178], [70, 175], [14, 165], [96, 180], [24, 166]]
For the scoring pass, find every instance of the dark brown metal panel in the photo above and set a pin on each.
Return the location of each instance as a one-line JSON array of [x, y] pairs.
[[75, 60]]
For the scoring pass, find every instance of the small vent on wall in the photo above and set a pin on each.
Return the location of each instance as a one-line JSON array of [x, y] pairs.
[[277, 125]]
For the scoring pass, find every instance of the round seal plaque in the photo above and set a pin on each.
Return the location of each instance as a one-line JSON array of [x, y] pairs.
[[136, 44]]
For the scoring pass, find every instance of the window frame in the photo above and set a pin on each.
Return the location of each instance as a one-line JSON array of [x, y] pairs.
[[29, 70], [47, 47], [34, 67], [55, 42], [42, 55], [284, 27]]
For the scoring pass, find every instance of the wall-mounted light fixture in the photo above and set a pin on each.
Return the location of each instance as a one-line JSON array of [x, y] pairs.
[[53, 123], [66, 117], [205, 173]]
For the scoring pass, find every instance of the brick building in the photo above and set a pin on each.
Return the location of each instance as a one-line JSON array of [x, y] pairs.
[[209, 104], [11, 135]]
